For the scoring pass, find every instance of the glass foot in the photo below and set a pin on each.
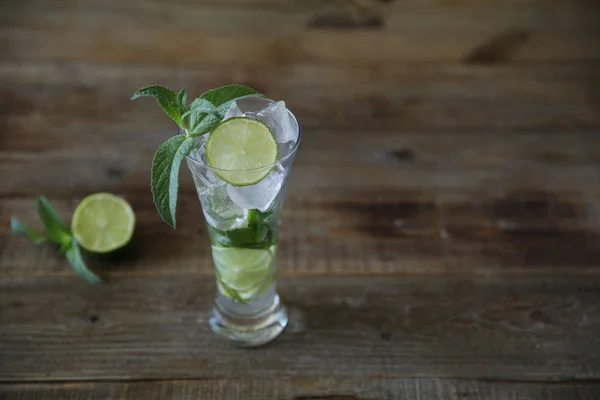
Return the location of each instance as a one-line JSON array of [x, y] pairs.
[[245, 329]]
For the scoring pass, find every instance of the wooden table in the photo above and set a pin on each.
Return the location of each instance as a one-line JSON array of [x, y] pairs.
[[441, 234]]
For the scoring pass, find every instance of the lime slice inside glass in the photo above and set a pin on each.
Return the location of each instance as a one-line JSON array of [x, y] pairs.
[[240, 147], [244, 272], [103, 222]]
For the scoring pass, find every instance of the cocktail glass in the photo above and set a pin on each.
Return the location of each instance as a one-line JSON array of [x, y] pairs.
[[243, 224]]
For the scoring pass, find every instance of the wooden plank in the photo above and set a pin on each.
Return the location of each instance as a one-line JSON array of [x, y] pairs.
[[350, 232], [272, 15], [335, 161], [388, 96], [284, 33], [63, 162], [526, 328], [521, 229], [285, 388]]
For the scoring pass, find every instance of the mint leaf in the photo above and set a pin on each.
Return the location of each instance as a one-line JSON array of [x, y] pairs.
[[169, 101], [205, 125], [165, 174], [257, 235], [199, 109], [73, 254], [227, 93], [56, 229], [182, 99], [222, 98], [203, 105], [191, 118], [20, 228]]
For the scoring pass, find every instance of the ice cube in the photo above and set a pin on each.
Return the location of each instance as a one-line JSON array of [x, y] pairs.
[[277, 117], [220, 211], [203, 176], [261, 194], [234, 111], [198, 152]]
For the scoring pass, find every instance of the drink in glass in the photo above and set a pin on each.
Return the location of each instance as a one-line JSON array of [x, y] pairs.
[[242, 208]]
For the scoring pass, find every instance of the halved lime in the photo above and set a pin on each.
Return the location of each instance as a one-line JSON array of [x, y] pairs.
[[245, 272], [240, 147], [103, 222]]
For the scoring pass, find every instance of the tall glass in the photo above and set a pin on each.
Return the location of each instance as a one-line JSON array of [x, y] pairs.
[[243, 224]]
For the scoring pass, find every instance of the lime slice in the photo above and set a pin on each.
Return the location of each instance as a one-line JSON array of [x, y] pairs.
[[103, 222], [244, 273], [240, 147]]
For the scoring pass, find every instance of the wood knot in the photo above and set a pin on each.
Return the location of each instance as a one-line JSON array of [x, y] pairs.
[[343, 20], [500, 48], [403, 154], [350, 14]]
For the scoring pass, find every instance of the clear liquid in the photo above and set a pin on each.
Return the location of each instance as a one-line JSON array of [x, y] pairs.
[[254, 307]]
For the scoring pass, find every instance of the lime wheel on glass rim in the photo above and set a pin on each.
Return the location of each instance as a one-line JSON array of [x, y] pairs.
[[103, 223], [239, 148]]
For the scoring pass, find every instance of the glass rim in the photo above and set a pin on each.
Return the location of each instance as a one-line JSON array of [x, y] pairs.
[[268, 166]]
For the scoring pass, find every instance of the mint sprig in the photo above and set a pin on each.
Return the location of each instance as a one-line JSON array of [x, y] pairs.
[[201, 117], [165, 174], [56, 229], [58, 233]]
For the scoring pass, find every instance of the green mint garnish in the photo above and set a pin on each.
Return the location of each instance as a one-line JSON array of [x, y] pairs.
[[225, 95], [198, 111], [56, 229], [171, 102], [165, 174], [201, 117], [58, 233], [73, 253], [257, 235]]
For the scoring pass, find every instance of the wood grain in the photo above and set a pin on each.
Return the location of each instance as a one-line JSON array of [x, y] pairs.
[[540, 328], [286, 388], [441, 233], [286, 33], [349, 232], [332, 161], [379, 95]]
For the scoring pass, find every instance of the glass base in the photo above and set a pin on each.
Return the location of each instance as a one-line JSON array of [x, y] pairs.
[[249, 325]]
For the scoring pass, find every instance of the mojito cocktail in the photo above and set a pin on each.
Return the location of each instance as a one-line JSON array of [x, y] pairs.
[[240, 171], [239, 147]]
